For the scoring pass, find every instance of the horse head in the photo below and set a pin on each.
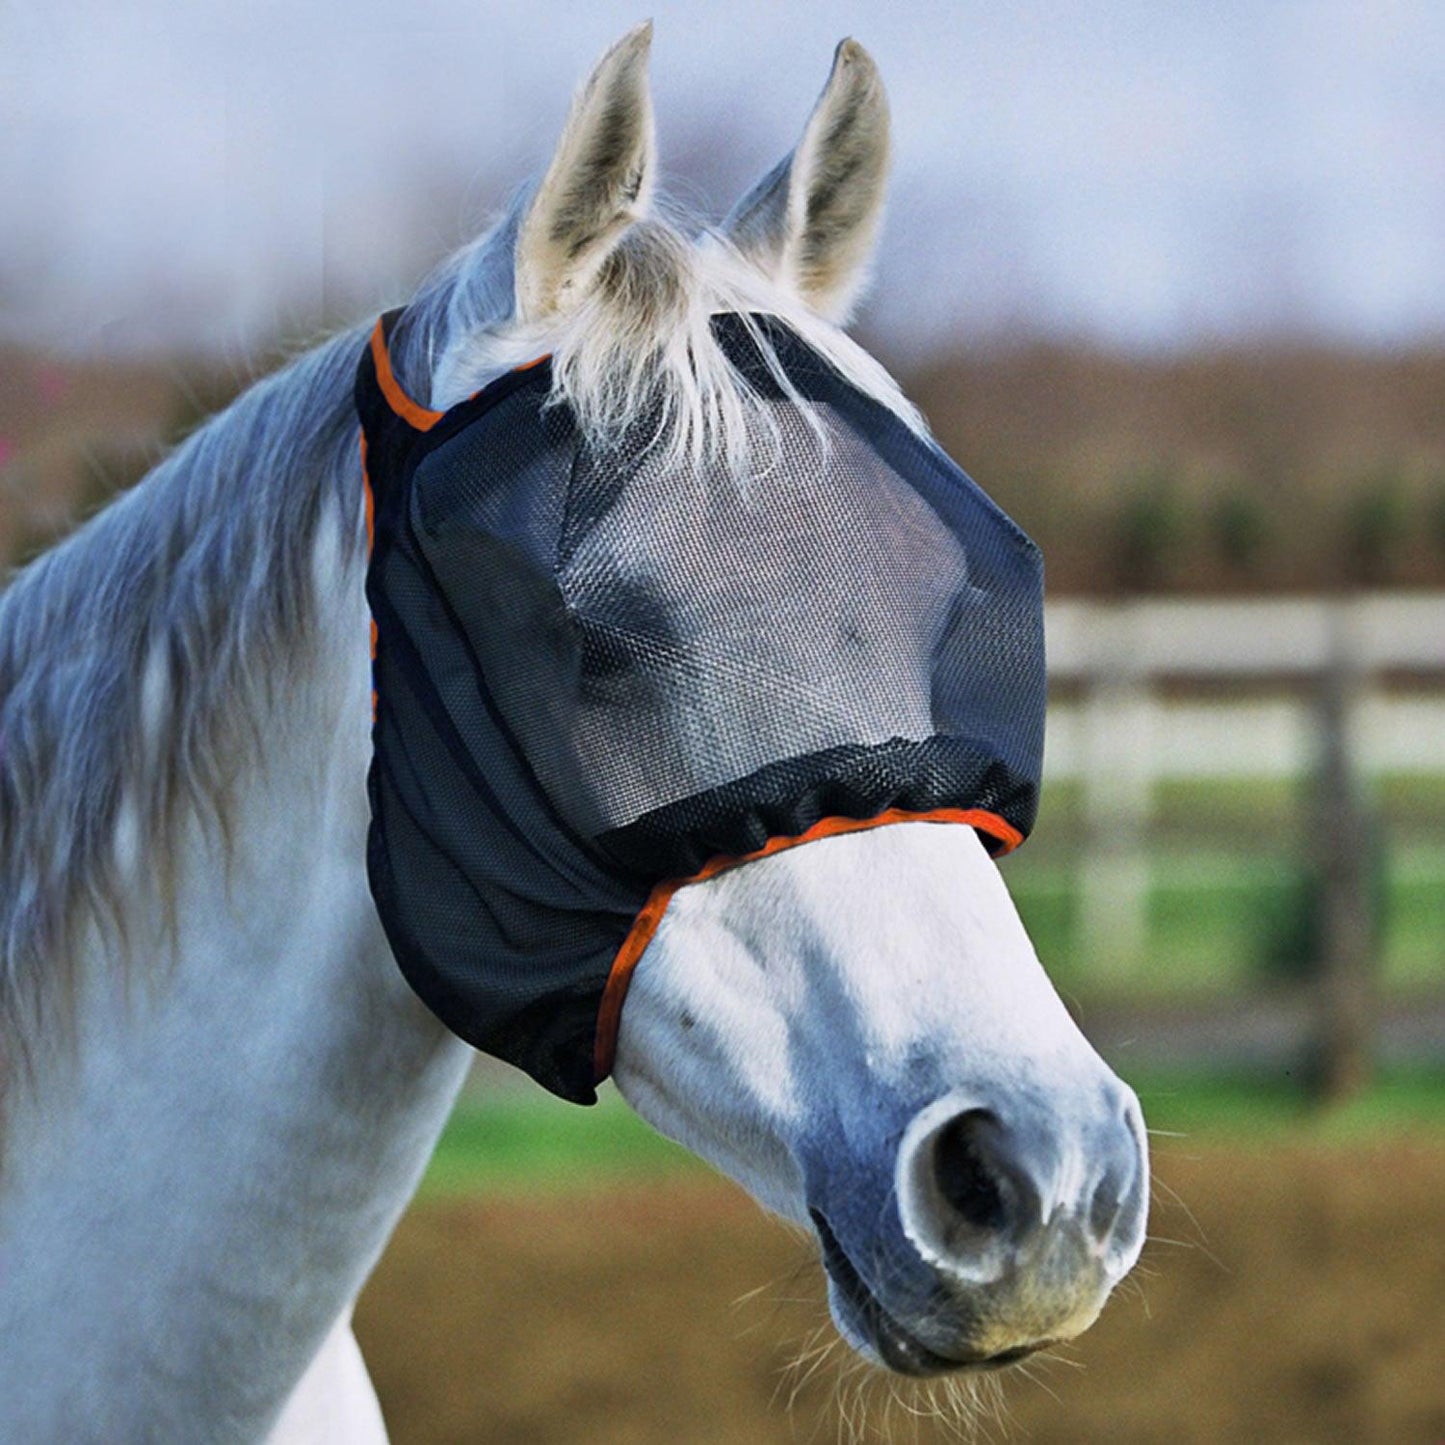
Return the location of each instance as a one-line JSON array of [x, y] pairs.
[[857, 1029]]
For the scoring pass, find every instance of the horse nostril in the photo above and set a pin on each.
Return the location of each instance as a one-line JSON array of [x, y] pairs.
[[962, 1169], [995, 1197], [1116, 1208], [1104, 1207]]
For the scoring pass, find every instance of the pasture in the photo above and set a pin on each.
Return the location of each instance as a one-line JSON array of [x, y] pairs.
[[565, 1276]]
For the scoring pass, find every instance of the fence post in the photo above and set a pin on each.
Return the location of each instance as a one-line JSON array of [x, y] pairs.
[[1117, 758], [1343, 866]]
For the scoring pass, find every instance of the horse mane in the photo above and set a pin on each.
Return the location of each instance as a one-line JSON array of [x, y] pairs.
[[139, 657], [135, 653]]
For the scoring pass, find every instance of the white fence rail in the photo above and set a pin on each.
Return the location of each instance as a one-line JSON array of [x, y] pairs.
[[1269, 637], [1118, 653]]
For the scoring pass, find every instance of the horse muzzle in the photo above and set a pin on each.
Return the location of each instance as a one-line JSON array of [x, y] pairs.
[[1013, 1224]]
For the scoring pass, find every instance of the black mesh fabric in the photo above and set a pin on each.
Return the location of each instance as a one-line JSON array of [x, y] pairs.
[[594, 673]]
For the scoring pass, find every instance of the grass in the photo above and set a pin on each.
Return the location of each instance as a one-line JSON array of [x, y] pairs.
[[1218, 922], [523, 1141], [1243, 1105], [524, 1138]]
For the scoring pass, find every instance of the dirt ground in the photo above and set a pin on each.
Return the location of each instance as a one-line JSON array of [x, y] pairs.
[[1288, 1294]]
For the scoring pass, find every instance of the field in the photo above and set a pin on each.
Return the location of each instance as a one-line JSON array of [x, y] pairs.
[[563, 1277]]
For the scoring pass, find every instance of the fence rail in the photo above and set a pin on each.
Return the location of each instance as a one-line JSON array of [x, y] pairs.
[[1257, 637]]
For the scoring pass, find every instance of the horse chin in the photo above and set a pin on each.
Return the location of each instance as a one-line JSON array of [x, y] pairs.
[[876, 1334]]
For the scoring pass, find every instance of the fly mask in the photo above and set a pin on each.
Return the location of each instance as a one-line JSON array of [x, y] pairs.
[[599, 675]]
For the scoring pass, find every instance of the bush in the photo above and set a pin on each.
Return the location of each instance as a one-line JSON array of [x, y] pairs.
[[1148, 533], [1376, 527], [1241, 530]]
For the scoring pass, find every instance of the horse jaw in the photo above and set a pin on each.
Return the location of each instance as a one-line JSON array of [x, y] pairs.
[[822, 1024]]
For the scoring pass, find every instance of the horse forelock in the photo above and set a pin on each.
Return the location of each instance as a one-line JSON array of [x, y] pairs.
[[637, 344]]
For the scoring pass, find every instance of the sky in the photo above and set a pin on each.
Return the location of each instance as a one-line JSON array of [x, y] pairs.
[[180, 174]]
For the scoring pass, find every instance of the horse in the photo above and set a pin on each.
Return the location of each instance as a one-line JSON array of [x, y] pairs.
[[219, 1092]]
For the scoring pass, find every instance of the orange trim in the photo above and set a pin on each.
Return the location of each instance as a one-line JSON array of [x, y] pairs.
[[370, 546], [421, 417], [609, 1014], [535, 361], [370, 500]]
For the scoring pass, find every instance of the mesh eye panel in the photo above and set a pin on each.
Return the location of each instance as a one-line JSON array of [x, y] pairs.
[[595, 673]]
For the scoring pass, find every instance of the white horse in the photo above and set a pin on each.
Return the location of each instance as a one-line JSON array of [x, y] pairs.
[[218, 1091]]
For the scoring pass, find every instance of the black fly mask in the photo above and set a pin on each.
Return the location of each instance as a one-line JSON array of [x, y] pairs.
[[597, 677]]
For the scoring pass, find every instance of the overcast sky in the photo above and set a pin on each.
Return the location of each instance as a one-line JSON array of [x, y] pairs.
[[177, 172]]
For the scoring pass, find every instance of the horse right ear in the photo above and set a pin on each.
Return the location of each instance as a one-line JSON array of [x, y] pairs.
[[812, 221], [599, 182]]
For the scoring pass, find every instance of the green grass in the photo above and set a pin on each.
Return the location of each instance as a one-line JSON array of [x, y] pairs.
[[1268, 804], [1244, 1105], [526, 1138], [526, 1142]]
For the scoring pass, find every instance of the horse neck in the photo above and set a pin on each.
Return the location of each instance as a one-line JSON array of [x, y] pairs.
[[196, 1187]]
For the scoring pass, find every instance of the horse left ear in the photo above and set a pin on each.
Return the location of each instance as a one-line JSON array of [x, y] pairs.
[[599, 182], [811, 223]]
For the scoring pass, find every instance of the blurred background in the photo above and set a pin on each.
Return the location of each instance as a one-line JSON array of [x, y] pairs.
[[1170, 282]]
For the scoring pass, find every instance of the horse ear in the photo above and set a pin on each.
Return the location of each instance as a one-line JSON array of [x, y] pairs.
[[812, 221], [599, 181]]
